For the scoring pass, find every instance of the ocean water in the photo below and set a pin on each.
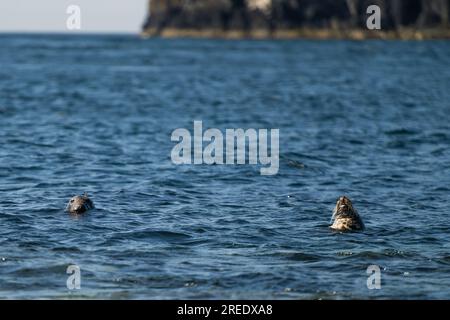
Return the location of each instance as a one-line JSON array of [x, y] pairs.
[[95, 114]]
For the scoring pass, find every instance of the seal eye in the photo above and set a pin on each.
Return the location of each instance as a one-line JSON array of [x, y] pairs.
[[71, 200]]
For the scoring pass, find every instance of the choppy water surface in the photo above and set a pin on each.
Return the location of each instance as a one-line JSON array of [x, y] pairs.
[[366, 119]]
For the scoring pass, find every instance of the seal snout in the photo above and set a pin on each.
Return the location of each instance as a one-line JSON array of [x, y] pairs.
[[79, 209], [343, 204]]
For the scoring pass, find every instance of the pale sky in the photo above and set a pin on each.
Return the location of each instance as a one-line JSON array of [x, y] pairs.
[[51, 16]]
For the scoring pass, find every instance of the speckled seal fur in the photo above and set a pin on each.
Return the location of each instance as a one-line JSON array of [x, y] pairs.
[[80, 204], [345, 217]]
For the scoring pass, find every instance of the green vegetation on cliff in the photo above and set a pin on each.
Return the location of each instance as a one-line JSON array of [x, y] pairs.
[[297, 18]]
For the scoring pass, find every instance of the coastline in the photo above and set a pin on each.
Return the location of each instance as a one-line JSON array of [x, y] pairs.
[[303, 33]]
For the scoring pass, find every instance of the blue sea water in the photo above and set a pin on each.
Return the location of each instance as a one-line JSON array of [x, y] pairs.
[[94, 114]]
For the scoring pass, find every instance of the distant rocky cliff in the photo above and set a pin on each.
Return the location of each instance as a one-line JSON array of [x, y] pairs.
[[340, 18]]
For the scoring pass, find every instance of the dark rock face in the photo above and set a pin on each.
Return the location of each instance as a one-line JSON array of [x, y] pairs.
[[290, 14]]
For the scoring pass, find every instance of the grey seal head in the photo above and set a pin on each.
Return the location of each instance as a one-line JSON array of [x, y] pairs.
[[345, 217], [80, 204]]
